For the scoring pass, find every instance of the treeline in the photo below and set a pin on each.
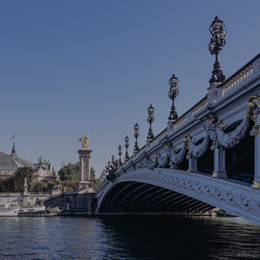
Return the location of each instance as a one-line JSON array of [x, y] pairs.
[[16, 182], [69, 179]]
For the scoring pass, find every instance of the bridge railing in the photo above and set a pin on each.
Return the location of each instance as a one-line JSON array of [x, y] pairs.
[[202, 104], [236, 80]]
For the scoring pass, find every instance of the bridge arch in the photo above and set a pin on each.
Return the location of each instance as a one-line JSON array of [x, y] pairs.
[[174, 191], [132, 197]]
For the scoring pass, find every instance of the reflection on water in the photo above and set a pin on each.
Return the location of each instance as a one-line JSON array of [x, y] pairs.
[[128, 238]]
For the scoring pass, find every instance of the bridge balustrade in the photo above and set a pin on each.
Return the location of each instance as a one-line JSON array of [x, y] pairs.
[[208, 157], [202, 121]]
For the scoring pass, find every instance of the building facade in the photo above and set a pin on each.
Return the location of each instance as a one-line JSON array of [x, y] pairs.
[[9, 164]]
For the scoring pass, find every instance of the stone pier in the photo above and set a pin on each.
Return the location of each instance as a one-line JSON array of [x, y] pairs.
[[84, 170]]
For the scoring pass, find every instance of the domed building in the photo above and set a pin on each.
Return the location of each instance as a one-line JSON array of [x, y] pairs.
[[9, 164]]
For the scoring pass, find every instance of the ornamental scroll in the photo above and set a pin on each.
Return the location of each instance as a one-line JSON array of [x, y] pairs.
[[253, 108], [196, 151], [163, 160], [177, 157], [227, 140], [221, 139], [169, 158], [149, 163]]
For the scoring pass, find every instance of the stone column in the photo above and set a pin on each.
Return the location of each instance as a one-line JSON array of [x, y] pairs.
[[256, 133], [193, 164], [84, 170], [220, 163], [256, 184], [25, 199], [25, 187]]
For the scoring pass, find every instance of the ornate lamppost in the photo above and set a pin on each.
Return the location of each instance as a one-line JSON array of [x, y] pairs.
[[116, 164], [173, 93], [107, 169], [126, 146], [120, 153], [136, 134], [150, 120], [217, 41]]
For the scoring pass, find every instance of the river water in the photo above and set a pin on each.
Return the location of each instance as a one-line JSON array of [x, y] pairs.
[[116, 238]]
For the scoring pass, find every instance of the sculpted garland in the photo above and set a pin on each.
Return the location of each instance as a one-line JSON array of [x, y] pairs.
[[215, 135], [171, 157], [221, 139], [197, 151]]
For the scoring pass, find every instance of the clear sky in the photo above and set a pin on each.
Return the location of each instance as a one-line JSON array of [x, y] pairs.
[[72, 68]]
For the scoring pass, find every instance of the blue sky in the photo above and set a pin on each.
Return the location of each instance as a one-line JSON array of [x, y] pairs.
[[72, 68]]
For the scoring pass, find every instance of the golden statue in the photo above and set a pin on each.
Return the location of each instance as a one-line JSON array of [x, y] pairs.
[[84, 141]]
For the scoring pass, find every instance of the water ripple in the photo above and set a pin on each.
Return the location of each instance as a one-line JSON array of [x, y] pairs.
[[128, 238]]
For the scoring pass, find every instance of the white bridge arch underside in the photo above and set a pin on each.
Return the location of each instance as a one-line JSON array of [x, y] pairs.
[[170, 190]]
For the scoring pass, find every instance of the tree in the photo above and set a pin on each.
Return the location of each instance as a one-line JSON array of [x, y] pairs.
[[69, 172], [45, 187], [40, 187], [19, 177], [51, 185], [7, 185], [93, 179], [69, 176], [71, 185]]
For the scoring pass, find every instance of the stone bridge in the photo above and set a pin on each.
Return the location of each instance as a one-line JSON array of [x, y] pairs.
[[207, 158]]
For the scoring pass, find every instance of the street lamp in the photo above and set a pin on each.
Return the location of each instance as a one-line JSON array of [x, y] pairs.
[[150, 120], [136, 134], [120, 153], [173, 93], [114, 163], [217, 41], [113, 159], [107, 169], [126, 146]]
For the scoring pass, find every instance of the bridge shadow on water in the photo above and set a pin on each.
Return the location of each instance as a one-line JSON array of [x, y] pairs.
[[171, 237]]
